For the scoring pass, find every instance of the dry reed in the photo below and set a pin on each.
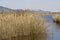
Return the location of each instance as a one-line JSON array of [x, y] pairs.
[[13, 26]]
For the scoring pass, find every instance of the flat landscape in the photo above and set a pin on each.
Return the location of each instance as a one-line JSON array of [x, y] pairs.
[[29, 19]]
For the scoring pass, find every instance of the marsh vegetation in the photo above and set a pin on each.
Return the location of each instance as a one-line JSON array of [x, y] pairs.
[[56, 17], [22, 26]]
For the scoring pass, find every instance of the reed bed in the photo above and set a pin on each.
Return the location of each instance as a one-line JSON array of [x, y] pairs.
[[21, 26], [56, 18]]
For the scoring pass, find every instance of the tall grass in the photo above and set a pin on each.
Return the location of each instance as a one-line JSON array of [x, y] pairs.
[[56, 18], [21, 26]]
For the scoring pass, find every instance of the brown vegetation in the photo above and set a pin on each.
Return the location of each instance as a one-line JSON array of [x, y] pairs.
[[21, 26], [56, 18]]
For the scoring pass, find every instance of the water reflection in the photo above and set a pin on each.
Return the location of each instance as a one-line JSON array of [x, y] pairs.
[[53, 29]]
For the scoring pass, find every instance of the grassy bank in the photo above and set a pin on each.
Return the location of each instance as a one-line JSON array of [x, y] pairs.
[[56, 18], [21, 26]]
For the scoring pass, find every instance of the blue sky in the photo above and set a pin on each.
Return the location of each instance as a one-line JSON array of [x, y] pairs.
[[47, 5]]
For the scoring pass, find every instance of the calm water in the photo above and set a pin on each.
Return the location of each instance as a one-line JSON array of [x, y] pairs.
[[53, 29]]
